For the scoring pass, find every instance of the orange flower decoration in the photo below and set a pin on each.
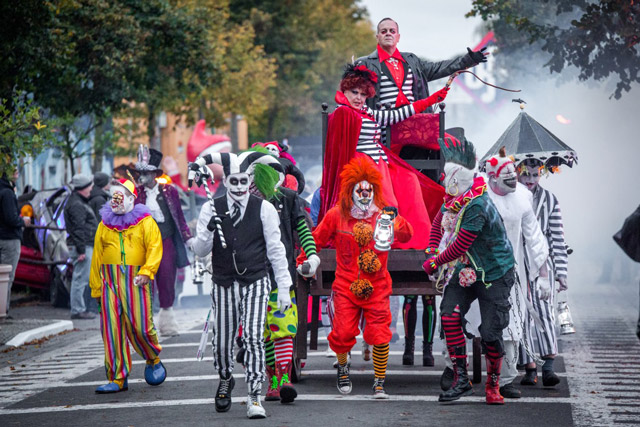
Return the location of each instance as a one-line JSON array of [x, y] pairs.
[[363, 233], [361, 288], [368, 262]]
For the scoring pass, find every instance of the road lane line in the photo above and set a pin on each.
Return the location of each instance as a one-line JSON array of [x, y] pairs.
[[302, 397]]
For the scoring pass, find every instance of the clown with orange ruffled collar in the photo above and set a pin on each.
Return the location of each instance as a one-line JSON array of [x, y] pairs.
[[363, 283]]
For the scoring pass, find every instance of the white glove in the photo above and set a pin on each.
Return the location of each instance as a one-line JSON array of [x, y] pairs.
[[544, 288], [190, 243], [141, 280], [284, 299], [562, 284], [311, 264]]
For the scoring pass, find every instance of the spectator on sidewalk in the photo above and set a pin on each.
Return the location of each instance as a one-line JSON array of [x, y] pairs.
[[11, 224], [81, 223], [99, 193]]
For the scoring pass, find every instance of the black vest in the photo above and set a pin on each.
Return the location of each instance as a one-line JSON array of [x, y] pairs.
[[168, 226], [245, 258]]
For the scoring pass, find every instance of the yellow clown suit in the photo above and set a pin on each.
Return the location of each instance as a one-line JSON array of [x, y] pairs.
[[126, 256]]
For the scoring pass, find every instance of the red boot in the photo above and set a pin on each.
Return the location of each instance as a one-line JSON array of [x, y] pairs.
[[273, 391], [287, 392], [492, 387]]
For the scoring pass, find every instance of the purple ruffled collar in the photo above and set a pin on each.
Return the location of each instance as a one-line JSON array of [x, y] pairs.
[[122, 222]]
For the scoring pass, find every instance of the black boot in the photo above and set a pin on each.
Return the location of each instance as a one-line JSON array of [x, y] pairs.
[[223, 395], [409, 348], [461, 384], [530, 377], [446, 379], [427, 354]]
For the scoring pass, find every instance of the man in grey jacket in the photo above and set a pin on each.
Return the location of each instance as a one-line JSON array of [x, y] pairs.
[[403, 77], [81, 224]]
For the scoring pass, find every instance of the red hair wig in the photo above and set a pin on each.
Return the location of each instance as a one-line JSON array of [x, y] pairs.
[[359, 76], [359, 169]]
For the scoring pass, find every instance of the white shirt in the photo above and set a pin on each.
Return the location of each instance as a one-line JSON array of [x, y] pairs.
[[152, 202], [270, 230]]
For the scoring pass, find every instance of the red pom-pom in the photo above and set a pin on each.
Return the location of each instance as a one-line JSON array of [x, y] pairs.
[[493, 161]]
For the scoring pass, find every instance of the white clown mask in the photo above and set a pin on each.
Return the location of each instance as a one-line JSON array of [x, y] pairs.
[[363, 195], [238, 186], [273, 149], [529, 176], [502, 175], [122, 201], [457, 179]]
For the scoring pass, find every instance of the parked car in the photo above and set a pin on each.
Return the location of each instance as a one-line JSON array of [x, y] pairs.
[[46, 266]]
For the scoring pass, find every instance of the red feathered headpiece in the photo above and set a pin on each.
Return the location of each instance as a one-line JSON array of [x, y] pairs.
[[359, 76], [359, 169]]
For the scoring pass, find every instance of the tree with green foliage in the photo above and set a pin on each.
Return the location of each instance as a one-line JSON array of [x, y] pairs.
[[22, 132], [599, 38]]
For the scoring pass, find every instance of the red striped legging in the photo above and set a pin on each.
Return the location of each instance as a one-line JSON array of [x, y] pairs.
[[126, 314]]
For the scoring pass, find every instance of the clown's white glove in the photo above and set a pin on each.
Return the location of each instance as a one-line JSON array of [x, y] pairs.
[[141, 280], [544, 288], [190, 243], [284, 299], [309, 267]]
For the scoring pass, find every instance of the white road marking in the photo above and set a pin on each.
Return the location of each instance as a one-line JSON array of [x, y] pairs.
[[303, 397]]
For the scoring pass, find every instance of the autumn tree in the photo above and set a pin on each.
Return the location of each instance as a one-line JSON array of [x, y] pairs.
[[599, 38]]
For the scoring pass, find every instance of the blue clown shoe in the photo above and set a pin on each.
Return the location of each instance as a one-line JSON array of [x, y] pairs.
[[155, 374], [112, 387]]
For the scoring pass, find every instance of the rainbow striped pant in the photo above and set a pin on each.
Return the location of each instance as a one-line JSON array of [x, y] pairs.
[[126, 314]]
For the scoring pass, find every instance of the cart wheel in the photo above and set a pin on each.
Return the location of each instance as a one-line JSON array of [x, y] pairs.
[[58, 294], [477, 361], [296, 370]]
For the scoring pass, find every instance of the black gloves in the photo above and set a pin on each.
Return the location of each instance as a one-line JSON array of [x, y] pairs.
[[478, 56], [212, 223]]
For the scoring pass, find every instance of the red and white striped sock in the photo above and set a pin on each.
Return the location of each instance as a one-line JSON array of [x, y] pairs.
[[284, 351]]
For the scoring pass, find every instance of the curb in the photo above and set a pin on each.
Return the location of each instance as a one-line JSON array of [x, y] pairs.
[[41, 332]]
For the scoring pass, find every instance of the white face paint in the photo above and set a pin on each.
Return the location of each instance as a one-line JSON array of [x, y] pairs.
[[503, 181], [457, 179], [529, 176], [121, 200], [238, 186], [363, 195], [273, 150]]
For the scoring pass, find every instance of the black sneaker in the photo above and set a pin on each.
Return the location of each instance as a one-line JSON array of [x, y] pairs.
[[344, 382], [223, 395], [508, 391], [85, 315], [549, 378]]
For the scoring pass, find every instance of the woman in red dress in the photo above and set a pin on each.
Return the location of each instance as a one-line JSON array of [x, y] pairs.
[[354, 130]]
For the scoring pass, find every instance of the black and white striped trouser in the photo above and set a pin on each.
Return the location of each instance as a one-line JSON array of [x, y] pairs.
[[246, 305], [546, 339]]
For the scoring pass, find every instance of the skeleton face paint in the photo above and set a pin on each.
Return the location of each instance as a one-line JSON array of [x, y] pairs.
[[457, 179], [504, 180], [529, 176], [273, 150], [121, 200], [238, 186], [363, 195]]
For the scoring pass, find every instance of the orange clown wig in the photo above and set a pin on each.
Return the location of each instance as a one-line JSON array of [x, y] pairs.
[[359, 169]]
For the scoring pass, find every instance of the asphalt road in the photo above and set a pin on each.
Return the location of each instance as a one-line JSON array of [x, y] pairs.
[[599, 367]]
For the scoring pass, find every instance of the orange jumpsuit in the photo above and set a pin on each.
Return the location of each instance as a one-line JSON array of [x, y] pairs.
[[347, 307]]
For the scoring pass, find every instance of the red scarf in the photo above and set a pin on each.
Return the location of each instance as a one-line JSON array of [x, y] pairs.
[[455, 203]]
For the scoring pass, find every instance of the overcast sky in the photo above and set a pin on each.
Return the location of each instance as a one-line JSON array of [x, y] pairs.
[[433, 29]]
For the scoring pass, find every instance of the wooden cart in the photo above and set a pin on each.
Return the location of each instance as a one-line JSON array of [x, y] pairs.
[[405, 267]]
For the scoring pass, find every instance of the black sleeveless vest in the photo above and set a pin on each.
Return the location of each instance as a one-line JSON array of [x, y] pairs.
[[245, 258]]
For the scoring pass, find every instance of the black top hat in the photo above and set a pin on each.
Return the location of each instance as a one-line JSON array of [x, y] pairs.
[[148, 159]]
